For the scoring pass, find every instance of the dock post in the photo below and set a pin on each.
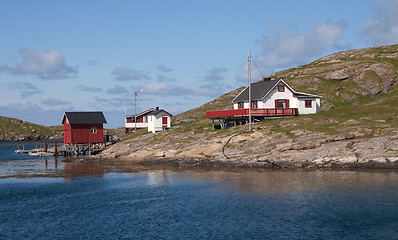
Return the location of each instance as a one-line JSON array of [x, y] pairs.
[[55, 148], [45, 145]]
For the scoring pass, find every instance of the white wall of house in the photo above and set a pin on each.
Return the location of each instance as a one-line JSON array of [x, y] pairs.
[[269, 100], [294, 102], [303, 109], [155, 122]]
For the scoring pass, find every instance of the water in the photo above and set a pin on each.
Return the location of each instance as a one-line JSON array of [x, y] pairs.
[[23, 165], [76, 201]]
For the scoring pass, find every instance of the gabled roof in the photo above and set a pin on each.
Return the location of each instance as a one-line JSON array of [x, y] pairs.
[[143, 113], [84, 117], [258, 89], [151, 111], [261, 89], [158, 111]]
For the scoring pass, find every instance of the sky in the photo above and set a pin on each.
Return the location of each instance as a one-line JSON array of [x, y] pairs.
[[65, 56]]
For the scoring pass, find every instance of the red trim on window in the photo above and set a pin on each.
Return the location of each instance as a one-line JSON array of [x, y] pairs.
[[240, 105], [308, 103], [254, 104]]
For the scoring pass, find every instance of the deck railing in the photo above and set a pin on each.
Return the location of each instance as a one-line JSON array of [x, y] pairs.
[[256, 112]]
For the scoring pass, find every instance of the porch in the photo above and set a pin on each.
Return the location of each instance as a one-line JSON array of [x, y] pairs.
[[240, 116]]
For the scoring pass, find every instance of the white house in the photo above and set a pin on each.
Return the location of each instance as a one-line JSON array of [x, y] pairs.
[[153, 119], [269, 98], [277, 94], [158, 120]]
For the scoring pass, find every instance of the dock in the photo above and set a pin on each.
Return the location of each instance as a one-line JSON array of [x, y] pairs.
[[61, 149]]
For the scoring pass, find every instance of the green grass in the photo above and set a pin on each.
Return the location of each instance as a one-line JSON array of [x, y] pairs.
[[15, 127], [349, 104]]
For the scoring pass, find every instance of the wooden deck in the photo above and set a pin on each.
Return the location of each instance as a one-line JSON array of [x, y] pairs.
[[241, 116], [256, 112]]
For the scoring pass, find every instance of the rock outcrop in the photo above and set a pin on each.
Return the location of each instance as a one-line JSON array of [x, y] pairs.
[[357, 129]]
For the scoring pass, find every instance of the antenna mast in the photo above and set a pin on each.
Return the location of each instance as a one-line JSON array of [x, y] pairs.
[[250, 92]]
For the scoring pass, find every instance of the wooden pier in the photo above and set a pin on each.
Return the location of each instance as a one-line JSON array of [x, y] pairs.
[[61, 149]]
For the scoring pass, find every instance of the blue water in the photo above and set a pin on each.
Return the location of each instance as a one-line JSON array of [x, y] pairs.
[[90, 202], [12, 164]]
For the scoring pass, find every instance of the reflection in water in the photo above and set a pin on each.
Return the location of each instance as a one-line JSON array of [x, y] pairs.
[[158, 177], [75, 171], [198, 204], [275, 181]]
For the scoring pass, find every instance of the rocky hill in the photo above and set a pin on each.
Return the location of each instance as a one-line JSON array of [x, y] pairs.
[[357, 127], [12, 129], [347, 76]]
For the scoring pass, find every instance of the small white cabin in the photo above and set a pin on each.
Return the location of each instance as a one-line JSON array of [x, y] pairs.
[[159, 120], [153, 119]]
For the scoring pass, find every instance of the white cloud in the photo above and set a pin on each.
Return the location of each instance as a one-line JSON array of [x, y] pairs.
[[127, 74], [89, 88], [54, 102], [283, 51], [161, 88], [165, 89], [163, 68], [45, 65], [215, 74], [117, 90], [26, 89], [383, 29], [163, 78], [93, 62]]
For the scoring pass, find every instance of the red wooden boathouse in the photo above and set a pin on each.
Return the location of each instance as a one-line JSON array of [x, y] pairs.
[[83, 127]]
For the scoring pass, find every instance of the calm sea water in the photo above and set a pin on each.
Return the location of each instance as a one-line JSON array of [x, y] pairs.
[[77, 201]]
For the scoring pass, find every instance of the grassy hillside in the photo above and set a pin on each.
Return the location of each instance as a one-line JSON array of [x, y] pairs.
[[15, 129], [359, 89]]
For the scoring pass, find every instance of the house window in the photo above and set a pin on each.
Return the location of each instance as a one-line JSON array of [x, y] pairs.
[[281, 88], [281, 103], [308, 103], [93, 130], [254, 104], [240, 105], [145, 119]]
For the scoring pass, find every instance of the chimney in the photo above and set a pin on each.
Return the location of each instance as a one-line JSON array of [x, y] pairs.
[[157, 108]]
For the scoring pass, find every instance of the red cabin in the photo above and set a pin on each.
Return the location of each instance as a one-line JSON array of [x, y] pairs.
[[83, 127]]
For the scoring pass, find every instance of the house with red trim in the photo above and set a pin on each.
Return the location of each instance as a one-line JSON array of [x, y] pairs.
[[269, 98], [154, 119], [83, 127]]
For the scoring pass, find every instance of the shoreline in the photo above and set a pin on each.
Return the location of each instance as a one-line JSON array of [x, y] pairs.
[[259, 149]]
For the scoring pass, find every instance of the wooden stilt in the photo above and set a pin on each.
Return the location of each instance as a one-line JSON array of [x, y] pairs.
[[55, 148]]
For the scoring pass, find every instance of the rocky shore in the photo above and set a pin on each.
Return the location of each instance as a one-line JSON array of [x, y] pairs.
[[261, 148], [19, 138], [356, 128]]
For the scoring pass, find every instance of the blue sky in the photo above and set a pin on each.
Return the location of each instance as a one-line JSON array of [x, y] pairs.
[[59, 56]]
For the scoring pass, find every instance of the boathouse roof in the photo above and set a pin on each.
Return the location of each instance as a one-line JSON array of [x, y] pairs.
[[84, 117]]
